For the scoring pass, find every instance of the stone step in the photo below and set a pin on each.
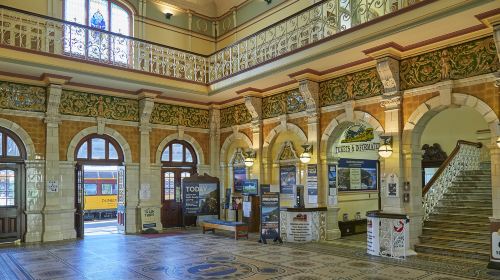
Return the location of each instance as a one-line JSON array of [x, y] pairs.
[[465, 203], [467, 244], [453, 252], [471, 184], [476, 172], [461, 217], [473, 178], [478, 226], [458, 233], [467, 196], [481, 211], [469, 189]]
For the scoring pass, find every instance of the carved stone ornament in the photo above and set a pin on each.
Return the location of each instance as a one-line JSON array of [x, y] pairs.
[[287, 152], [391, 103], [254, 106], [388, 71], [433, 153], [238, 158], [310, 92]]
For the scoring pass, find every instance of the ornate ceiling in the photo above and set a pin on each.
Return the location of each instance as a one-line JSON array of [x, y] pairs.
[[210, 8]]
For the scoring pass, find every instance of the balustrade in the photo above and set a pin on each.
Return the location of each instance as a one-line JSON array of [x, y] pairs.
[[33, 32]]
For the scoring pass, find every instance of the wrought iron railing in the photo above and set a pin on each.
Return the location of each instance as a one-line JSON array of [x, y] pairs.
[[33, 32], [465, 156]]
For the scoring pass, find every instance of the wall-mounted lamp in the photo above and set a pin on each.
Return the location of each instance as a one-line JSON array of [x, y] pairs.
[[168, 15], [498, 141], [305, 157], [385, 150], [268, 1], [249, 158]]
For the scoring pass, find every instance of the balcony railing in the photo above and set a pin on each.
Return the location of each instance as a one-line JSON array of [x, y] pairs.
[[20, 29]]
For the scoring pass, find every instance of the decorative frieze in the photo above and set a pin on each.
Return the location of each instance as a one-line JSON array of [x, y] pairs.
[[234, 115], [456, 62], [175, 115], [22, 97], [95, 105], [352, 86], [283, 103]]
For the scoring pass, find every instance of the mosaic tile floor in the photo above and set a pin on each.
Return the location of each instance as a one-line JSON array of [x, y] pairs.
[[192, 255]]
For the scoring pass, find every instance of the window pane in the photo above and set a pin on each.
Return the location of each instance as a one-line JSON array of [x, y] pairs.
[[166, 154], [74, 36], [1, 143], [98, 148], [107, 189], [82, 152], [113, 154], [169, 185], [98, 14], [90, 189], [7, 188], [12, 149], [120, 21], [189, 157], [177, 152]]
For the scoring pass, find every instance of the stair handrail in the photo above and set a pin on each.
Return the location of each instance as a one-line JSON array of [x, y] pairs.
[[465, 156]]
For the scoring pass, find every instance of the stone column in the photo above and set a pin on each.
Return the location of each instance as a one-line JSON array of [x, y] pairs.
[[149, 193], [259, 168], [214, 142], [132, 210], [58, 211]]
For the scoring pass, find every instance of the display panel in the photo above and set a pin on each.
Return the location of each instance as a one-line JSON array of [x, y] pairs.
[[288, 179], [250, 187], [357, 175], [239, 176]]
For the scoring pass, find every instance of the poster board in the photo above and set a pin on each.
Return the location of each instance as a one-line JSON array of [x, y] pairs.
[[250, 187], [239, 176], [357, 175], [300, 227], [312, 184], [270, 216], [288, 179], [200, 196]]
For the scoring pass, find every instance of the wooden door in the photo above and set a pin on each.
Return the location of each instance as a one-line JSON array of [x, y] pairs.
[[171, 213], [10, 203], [79, 201]]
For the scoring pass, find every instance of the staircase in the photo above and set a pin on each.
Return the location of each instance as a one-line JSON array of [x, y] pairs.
[[459, 224]]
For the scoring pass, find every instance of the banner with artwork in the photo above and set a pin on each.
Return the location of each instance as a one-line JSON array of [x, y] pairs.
[[288, 179], [312, 183], [270, 216], [239, 176], [200, 198], [357, 175]]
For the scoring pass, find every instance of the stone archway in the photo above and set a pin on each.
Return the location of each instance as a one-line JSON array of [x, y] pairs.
[[23, 135], [196, 146]]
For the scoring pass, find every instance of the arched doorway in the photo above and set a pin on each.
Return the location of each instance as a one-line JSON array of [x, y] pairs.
[[178, 161], [12, 156], [100, 186]]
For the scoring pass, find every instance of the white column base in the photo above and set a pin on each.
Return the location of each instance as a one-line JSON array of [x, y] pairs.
[[332, 223]]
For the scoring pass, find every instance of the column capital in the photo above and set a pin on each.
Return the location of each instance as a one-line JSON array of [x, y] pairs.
[[388, 71], [309, 89], [254, 106], [392, 102]]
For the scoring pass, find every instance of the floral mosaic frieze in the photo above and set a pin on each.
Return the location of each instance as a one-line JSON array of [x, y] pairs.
[[93, 105], [22, 97], [456, 62], [168, 114], [288, 102], [234, 115], [357, 85]]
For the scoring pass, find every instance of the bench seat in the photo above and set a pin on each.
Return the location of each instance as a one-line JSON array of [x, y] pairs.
[[240, 229]]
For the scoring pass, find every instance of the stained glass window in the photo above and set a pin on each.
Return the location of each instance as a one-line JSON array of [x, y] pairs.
[[99, 147], [105, 15], [177, 150], [169, 185]]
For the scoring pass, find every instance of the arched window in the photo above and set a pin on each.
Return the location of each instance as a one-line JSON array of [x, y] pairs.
[[99, 148], [11, 147], [105, 15], [178, 153]]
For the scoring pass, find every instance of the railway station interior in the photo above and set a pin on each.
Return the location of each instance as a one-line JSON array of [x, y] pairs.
[[250, 139]]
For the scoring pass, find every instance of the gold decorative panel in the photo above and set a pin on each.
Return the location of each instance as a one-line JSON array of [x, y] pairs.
[[178, 115], [94, 105], [22, 97], [283, 103], [357, 85], [456, 62], [234, 115]]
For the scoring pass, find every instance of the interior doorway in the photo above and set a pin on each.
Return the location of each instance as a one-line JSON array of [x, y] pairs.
[[99, 187], [12, 194], [178, 162]]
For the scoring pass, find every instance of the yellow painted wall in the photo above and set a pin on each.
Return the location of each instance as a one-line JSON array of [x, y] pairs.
[[451, 125], [37, 6], [351, 203], [276, 148]]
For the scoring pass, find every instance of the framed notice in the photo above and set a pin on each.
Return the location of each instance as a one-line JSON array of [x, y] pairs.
[[200, 195], [270, 216], [357, 175], [239, 177], [288, 179]]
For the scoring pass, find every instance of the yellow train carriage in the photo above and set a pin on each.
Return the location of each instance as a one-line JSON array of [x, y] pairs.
[[101, 202]]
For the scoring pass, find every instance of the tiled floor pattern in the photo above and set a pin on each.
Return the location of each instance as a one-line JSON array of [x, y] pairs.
[[197, 256]]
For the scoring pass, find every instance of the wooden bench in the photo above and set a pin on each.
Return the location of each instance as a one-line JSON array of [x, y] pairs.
[[240, 229]]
